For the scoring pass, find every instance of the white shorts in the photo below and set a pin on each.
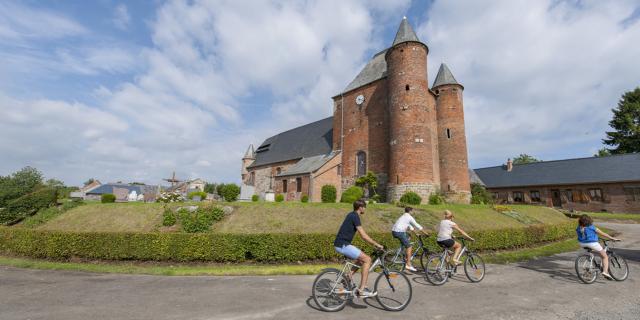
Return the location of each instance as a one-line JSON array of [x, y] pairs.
[[595, 246]]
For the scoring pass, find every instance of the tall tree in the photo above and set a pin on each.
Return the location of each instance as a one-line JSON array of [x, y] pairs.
[[604, 152], [626, 123], [524, 158]]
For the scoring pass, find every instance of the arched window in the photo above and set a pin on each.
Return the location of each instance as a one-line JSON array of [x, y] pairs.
[[361, 162]]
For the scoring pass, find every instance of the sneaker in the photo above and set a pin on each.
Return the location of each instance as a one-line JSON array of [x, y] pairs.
[[607, 276], [411, 268], [366, 293], [456, 262]]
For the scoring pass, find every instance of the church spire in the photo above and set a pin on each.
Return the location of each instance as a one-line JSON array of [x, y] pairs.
[[250, 154], [444, 77], [405, 33]]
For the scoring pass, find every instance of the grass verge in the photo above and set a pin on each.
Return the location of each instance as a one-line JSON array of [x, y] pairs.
[[256, 270]]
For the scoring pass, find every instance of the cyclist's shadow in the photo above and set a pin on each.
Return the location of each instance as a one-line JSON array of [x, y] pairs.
[[311, 304], [555, 267]]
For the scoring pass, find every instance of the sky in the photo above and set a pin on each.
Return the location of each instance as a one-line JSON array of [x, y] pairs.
[[134, 90]]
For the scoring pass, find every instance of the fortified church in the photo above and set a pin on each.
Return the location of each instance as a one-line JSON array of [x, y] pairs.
[[387, 121]]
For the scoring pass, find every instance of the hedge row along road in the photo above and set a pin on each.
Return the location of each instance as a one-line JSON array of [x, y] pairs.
[[546, 288], [232, 247]]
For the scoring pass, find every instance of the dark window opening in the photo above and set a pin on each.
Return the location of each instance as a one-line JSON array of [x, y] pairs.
[[448, 133], [252, 180], [298, 184], [406, 87], [595, 194], [397, 179], [284, 186], [632, 193], [361, 162], [437, 92], [535, 196], [569, 195], [449, 187], [518, 197]]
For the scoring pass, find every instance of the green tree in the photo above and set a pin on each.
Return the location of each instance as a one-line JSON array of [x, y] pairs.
[[210, 188], [626, 123], [480, 195], [524, 158], [604, 152], [20, 183], [54, 183], [369, 183]]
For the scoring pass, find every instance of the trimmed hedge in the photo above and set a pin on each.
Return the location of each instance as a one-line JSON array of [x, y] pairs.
[[28, 205], [328, 193], [411, 197], [233, 247], [107, 198], [352, 194]]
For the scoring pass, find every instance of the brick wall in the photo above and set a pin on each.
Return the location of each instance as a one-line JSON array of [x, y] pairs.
[[452, 144], [327, 174], [413, 158], [614, 197]]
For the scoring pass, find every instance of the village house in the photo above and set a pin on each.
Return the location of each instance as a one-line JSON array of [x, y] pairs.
[[607, 184]]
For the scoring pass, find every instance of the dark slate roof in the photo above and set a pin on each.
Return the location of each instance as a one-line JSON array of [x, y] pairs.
[[308, 165], [444, 77], [473, 177], [307, 141], [375, 69], [108, 188], [616, 168], [405, 33]]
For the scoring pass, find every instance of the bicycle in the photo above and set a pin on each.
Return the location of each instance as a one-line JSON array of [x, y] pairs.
[[395, 259], [438, 270], [333, 288], [588, 265]]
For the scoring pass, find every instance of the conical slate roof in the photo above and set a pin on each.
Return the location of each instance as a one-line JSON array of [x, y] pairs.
[[405, 33], [444, 77], [250, 154]]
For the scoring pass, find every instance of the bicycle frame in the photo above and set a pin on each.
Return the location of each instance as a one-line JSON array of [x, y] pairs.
[[350, 266], [400, 252]]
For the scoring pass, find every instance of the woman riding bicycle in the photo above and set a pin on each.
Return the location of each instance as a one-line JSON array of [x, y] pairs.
[[445, 239], [588, 238]]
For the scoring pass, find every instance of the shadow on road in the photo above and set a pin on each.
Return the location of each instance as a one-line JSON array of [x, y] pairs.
[[311, 304], [557, 267], [630, 255]]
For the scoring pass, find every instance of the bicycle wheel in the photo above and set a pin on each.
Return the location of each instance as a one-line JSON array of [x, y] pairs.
[[435, 271], [394, 291], [424, 258], [618, 268], [586, 269], [393, 260], [329, 290], [474, 267]]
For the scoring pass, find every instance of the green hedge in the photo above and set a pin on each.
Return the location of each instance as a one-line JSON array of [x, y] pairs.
[[232, 247]]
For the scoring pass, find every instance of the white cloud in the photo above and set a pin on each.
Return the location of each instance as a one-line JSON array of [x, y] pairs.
[[540, 77], [20, 23], [121, 17]]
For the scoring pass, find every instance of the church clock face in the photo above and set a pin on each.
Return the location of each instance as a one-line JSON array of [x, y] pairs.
[[360, 100]]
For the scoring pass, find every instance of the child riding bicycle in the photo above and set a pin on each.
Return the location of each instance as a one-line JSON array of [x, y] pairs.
[[399, 231], [588, 238]]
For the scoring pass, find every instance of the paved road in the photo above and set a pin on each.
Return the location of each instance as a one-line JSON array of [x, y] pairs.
[[542, 289]]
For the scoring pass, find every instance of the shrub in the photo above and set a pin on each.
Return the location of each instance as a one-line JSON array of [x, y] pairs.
[[279, 197], [28, 205], [108, 198], [328, 193], [199, 220], [480, 195], [305, 199], [436, 199], [168, 218], [351, 195], [169, 197], [255, 198], [19, 184], [411, 197], [202, 194], [230, 192], [234, 247]]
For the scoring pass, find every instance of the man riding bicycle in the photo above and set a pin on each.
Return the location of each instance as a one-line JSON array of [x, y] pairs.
[[399, 231], [445, 239], [343, 245]]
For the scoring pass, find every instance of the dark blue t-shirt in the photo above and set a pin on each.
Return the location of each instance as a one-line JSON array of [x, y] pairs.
[[347, 229]]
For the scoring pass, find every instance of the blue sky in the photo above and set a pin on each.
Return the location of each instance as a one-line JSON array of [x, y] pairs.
[[134, 90]]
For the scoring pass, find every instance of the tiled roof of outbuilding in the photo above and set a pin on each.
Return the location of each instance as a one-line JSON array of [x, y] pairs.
[[108, 188], [618, 168], [310, 140], [308, 165]]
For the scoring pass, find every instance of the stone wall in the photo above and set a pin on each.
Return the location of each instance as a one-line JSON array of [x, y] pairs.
[[395, 192], [265, 176]]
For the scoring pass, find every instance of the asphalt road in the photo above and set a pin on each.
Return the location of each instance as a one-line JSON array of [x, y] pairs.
[[542, 289]]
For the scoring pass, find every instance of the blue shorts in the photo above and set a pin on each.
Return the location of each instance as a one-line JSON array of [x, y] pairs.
[[349, 251], [403, 237]]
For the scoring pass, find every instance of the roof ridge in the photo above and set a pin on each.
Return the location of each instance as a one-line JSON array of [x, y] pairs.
[[283, 132], [560, 160]]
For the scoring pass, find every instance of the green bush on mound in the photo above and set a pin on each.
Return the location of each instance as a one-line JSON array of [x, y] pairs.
[[201, 194], [255, 198], [279, 197], [328, 193], [28, 205], [351, 195], [411, 198], [168, 218], [436, 199], [108, 198], [305, 199], [234, 247]]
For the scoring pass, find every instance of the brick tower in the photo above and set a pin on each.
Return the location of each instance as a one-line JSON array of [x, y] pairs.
[[413, 141], [452, 144]]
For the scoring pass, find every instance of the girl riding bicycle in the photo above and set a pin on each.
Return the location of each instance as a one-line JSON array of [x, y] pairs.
[[588, 238]]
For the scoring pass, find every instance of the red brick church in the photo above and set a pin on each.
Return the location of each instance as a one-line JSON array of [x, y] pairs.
[[388, 120]]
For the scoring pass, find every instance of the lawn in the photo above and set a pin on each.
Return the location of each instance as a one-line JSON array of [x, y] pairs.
[[290, 217], [606, 216]]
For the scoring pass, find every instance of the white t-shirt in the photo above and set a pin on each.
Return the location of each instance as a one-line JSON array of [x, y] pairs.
[[406, 221], [445, 229]]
